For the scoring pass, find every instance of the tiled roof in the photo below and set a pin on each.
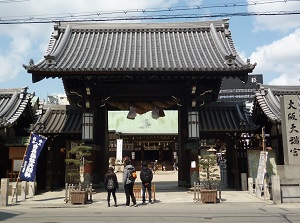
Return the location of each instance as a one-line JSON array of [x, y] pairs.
[[267, 99], [12, 105], [225, 117], [59, 119], [214, 117], [89, 48]]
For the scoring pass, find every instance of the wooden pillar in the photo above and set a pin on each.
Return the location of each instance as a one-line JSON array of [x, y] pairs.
[[237, 177], [183, 160], [101, 139], [280, 156], [142, 153], [50, 164], [194, 168], [161, 154], [233, 173], [230, 161]]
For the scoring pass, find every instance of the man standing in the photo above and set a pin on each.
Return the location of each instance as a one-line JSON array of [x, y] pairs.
[[128, 183], [146, 176]]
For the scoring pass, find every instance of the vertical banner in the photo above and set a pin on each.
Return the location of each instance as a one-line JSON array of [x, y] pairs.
[[119, 149], [33, 151], [262, 168]]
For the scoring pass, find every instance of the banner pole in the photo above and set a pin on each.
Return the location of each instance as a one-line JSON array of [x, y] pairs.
[[15, 192]]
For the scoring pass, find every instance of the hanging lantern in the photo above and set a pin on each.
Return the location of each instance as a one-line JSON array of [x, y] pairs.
[[193, 124], [161, 113], [155, 113], [131, 113], [87, 126]]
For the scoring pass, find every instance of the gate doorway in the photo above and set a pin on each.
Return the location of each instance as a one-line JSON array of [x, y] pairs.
[[154, 142], [127, 67]]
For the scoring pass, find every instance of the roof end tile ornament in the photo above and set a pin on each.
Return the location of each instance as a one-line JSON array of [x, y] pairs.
[[50, 59], [226, 27], [55, 33], [251, 65], [230, 59], [30, 64]]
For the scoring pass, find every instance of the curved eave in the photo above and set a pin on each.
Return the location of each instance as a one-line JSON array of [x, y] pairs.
[[38, 75], [268, 99], [13, 103], [59, 119], [225, 117]]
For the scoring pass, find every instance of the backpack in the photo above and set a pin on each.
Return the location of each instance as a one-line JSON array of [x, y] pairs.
[[110, 184], [132, 175], [146, 175]]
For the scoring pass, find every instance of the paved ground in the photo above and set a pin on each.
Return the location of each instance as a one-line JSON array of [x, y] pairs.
[[172, 204]]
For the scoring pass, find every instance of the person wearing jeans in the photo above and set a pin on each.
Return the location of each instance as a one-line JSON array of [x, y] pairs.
[[128, 183], [146, 176]]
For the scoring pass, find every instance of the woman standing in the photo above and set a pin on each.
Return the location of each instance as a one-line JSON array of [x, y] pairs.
[[111, 185]]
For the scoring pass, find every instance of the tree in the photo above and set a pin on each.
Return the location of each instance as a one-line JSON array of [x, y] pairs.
[[80, 154], [209, 176]]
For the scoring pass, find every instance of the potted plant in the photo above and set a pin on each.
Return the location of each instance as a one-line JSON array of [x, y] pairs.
[[78, 161], [209, 178], [80, 153]]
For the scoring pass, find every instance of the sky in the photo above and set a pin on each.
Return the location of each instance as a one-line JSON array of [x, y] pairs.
[[272, 41]]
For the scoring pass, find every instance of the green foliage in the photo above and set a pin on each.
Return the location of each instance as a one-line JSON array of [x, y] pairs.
[[210, 174], [80, 154]]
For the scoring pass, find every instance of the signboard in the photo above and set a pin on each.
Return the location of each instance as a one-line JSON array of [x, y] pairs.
[[17, 165], [16, 153], [233, 89]]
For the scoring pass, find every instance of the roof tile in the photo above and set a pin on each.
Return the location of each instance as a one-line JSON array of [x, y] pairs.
[[189, 46]]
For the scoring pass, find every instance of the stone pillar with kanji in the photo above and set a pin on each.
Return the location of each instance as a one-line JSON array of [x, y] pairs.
[[289, 173]]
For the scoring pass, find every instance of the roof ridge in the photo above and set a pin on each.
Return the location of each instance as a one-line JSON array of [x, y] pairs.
[[143, 26]]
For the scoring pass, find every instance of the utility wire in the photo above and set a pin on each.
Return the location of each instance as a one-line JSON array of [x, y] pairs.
[[148, 14], [153, 17], [13, 1]]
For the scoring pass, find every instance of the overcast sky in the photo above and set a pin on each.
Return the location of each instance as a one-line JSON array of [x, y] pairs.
[[270, 41]]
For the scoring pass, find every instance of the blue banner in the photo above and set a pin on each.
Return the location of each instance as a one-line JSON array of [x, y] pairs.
[[28, 168]]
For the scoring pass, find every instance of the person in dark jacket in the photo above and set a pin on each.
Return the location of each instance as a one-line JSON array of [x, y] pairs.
[[146, 176], [111, 185], [129, 183]]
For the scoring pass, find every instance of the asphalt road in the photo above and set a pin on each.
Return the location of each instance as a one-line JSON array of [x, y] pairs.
[[172, 204]]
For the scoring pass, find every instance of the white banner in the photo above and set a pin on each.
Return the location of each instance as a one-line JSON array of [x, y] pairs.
[[262, 168], [119, 149]]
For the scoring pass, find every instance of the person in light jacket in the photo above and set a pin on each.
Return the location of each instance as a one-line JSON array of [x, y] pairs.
[[128, 183]]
